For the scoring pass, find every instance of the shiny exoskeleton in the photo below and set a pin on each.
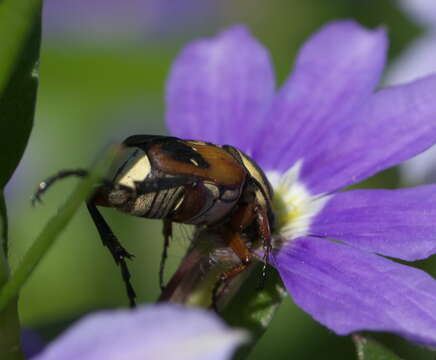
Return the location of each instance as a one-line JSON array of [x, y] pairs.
[[185, 181]]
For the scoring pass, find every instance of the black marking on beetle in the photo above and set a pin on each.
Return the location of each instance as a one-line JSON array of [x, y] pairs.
[[174, 199], [159, 184], [179, 151], [151, 213], [171, 147], [145, 141]]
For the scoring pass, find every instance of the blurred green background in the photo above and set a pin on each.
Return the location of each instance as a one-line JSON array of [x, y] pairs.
[[102, 77]]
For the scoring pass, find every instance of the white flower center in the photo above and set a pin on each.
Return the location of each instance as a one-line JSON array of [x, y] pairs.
[[294, 206]]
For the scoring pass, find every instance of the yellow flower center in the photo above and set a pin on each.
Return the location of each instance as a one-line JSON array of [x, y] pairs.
[[293, 204]]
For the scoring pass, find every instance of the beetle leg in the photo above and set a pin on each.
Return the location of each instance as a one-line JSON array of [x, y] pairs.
[[236, 243], [167, 233], [223, 280], [265, 233], [243, 217], [44, 185], [116, 249]]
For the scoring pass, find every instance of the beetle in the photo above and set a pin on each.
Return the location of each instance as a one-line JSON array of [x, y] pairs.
[[218, 188]]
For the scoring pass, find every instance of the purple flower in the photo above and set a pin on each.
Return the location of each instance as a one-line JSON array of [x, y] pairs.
[[417, 61], [155, 332], [326, 128], [423, 11]]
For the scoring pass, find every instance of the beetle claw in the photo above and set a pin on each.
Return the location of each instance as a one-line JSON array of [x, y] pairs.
[[36, 199], [128, 256], [122, 253]]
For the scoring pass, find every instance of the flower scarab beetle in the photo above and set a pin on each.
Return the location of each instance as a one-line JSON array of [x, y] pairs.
[[190, 182], [329, 126]]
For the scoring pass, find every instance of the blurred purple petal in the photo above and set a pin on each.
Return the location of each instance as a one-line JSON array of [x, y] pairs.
[[397, 223], [423, 11], [95, 18], [114, 20], [421, 169], [397, 124], [349, 290], [31, 343], [417, 61], [336, 72], [220, 88], [163, 332]]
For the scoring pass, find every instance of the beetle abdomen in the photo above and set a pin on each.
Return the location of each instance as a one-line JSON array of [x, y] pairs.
[[153, 205], [158, 205]]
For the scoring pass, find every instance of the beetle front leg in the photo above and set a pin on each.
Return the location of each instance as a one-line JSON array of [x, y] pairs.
[[223, 280], [116, 249], [167, 233], [44, 185], [265, 233], [238, 246]]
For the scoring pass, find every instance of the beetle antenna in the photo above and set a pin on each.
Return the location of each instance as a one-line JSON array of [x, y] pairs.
[[116, 249], [44, 185]]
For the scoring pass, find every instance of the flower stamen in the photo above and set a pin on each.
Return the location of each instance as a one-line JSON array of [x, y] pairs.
[[294, 206]]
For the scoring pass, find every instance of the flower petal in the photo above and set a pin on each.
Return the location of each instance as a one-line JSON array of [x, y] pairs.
[[220, 88], [423, 11], [420, 169], [397, 223], [349, 290], [417, 61], [336, 70], [399, 122], [155, 332]]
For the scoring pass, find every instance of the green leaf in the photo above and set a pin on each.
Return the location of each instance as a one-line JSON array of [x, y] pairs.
[[4, 268], [253, 309], [369, 349], [9, 322], [20, 34], [18, 17], [10, 333], [51, 232]]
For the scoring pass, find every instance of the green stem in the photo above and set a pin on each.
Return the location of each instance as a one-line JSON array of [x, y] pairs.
[[10, 341], [4, 268], [10, 348], [49, 234], [20, 29]]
